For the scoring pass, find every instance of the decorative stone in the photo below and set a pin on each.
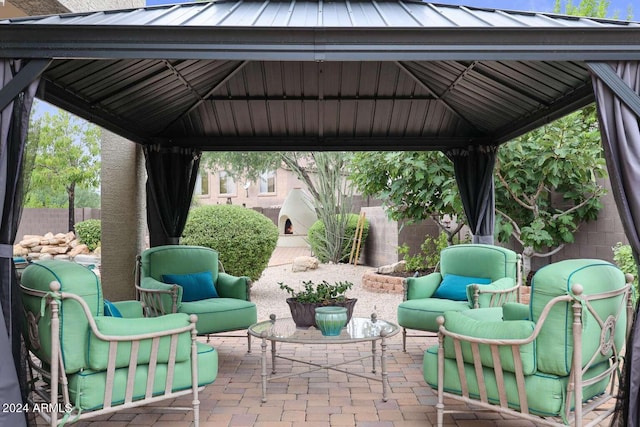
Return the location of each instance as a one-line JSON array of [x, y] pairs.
[[79, 249], [30, 242], [55, 250], [20, 250], [396, 267], [304, 263]]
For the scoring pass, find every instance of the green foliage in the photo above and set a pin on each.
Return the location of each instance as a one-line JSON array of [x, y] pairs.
[[317, 236], [67, 157], [414, 185], [323, 292], [244, 238], [429, 255], [623, 257], [89, 232], [547, 182]]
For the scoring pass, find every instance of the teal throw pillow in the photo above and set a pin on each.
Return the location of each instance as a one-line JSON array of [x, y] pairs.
[[454, 287], [195, 286], [111, 310]]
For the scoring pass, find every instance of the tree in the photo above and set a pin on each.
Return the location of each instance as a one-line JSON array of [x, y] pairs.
[[67, 157], [547, 184], [414, 186], [323, 173]]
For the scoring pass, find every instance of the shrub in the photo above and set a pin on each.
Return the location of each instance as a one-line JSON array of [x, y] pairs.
[[429, 255], [317, 238], [244, 238], [89, 232], [623, 257]]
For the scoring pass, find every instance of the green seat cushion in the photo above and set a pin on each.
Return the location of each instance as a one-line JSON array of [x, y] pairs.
[[421, 314], [454, 286], [545, 392], [87, 387], [195, 286], [99, 349], [221, 314]]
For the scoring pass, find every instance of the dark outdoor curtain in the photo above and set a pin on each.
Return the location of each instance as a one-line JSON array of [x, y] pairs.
[[621, 141], [171, 178], [473, 168], [14, 123]]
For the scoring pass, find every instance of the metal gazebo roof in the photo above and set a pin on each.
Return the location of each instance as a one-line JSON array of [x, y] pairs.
[[246, 75]]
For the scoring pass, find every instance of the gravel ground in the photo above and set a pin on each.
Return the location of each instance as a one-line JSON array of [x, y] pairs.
[[271, 299]]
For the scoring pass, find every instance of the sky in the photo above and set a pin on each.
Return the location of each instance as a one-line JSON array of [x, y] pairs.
[[617, 8]]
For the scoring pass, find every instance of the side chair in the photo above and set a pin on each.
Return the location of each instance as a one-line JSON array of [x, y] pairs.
[[471, 276], [555, 362], [84, 363], [189, 279]]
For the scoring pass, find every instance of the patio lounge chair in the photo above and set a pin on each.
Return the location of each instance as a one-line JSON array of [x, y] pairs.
[[85, 364], [564, 347], [470, 276], [188, 279]]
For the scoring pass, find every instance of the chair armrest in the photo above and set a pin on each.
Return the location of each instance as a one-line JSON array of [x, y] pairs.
[[159, 298], [515, 311], [129, 309], [229, 286], [495, 294], [421, 287]]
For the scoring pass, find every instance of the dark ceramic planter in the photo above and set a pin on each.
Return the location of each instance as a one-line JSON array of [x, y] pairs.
[[304, 314]]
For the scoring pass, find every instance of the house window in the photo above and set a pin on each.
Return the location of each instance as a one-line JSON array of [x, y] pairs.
[[202, 183], [268, 182], [227, 184]]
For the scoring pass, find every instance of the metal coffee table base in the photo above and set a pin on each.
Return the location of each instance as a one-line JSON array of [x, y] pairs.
[[313, 336]]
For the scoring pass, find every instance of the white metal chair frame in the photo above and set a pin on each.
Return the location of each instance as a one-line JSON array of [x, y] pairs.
[[576, 382], [51, 385]]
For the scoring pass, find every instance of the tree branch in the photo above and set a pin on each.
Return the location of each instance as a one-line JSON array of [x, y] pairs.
[[513, 195], [548, 254], [517, 232], [576, 207]]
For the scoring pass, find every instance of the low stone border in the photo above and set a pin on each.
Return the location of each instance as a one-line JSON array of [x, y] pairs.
[[375, 282]]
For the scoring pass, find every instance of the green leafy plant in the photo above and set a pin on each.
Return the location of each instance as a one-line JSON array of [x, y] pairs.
[[322, 293], [429, 255], [244, 238], [623, 257], [89, 232], [318, 240]]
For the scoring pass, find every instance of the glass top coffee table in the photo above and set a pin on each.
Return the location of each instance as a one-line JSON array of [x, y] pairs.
[[359, 329]]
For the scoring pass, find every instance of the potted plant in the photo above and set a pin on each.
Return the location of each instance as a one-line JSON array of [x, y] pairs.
[[303, 303]]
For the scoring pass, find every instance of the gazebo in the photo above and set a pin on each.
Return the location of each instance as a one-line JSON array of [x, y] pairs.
[[302, 75]]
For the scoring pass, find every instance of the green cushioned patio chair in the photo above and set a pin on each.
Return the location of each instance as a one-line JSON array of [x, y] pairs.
[[84, 364], [469, 276], [189, 279], [534, 362]]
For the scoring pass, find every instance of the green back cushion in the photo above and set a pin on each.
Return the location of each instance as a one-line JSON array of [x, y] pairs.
[[99, 350], [195, 286], [178, 259], [74, 326], [460, 323], [487, 261], [555, 342]]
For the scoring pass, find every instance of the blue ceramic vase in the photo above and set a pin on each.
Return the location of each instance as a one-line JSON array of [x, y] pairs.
[[331, 320]]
